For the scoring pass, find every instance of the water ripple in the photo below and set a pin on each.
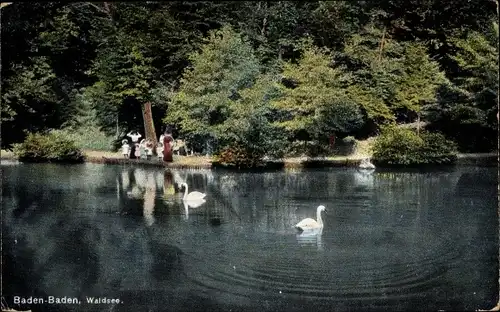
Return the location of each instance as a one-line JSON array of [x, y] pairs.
[[301, 274]]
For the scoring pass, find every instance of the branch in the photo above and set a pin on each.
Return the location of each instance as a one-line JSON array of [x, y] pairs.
[[106, 10], [382, 43]]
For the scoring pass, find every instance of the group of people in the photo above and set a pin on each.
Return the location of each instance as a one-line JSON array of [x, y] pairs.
[[144, 148]]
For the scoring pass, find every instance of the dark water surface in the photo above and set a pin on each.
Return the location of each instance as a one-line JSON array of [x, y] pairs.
[[391, 240]]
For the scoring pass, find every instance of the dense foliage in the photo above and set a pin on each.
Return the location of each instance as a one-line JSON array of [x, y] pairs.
[[223, 99], [259, 75], [50, 147], [404, 147], [237, 156]]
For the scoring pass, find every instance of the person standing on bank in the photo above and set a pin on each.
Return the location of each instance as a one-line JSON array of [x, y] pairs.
[[125, 148], [159, 150], [135, 136], [167, 147]]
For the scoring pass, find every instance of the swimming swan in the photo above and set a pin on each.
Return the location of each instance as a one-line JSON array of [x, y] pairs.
[[366, 164], [311, 224], [193, 196]]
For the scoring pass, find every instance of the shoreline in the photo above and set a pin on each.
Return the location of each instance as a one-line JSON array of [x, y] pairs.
[[203, 162]]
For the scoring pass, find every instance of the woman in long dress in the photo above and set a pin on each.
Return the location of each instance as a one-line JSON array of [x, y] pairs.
[[167, 148]]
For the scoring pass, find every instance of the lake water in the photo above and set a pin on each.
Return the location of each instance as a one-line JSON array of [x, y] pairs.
[[391, 240]]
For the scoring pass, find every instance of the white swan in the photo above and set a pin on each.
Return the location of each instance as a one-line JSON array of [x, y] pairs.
[[194, 203], [191, 204], [311, 224], [193, 196], [366, 164]]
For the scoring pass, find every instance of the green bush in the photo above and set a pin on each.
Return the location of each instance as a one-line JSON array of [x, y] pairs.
[[341, 116], [346, 146], [437, 149], [48, 148], [87, 138], [403, 147], [349, 140], [238, 157], [307, 148]]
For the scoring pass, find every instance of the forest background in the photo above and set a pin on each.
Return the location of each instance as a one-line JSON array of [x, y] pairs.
[[258, 74]]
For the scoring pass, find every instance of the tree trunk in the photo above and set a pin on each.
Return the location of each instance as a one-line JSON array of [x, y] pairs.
[[264, 22], [117, 127], [108, 9], [418, 123], [382, 43], [149, 127]]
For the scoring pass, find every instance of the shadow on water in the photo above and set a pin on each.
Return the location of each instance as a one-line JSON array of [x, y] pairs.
[[392, 240]]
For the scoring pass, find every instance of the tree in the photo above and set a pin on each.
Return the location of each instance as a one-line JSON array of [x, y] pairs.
[[467, 107], [250, 122], [315, 99], [372, 59], [121, 56], [336, 21], [394, 80], [40, 69], [134, 44], [225, 65], [419, 81], [28, 101], [477, 56], [429, 22]]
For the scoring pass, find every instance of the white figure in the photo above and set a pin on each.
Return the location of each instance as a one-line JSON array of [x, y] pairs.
[[159, 150], [125, 149], [364, 177], [366, 164], [137, 153], [135, 136], [176, 146], [191, 204], [142, 149], [311, 224], [193, 197]]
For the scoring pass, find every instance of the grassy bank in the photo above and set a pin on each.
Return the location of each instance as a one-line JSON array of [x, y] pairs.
[[206, 162], [199, 162]]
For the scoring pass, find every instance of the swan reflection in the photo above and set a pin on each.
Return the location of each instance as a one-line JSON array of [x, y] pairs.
[[191, 204], [366, 171], [312, 237], [186, 210], [364, 177]]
